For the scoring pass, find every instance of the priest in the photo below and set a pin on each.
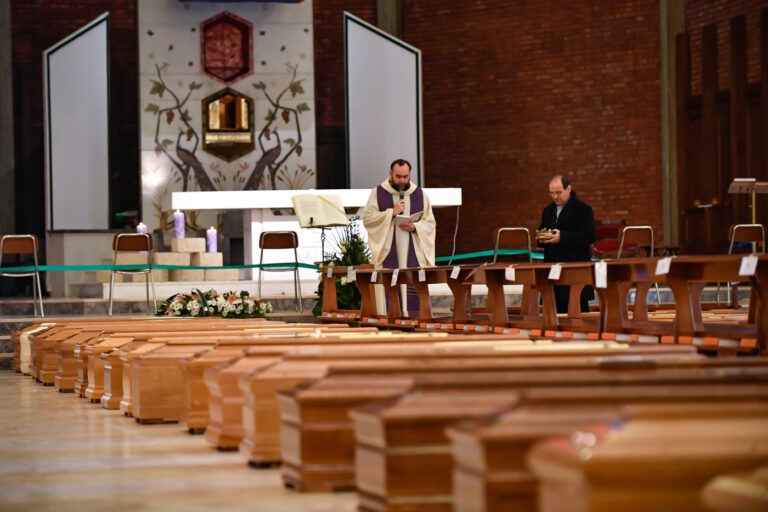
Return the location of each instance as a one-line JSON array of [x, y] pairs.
[[399, 243]]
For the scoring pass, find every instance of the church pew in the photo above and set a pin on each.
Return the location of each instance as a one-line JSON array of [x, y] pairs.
[[225, 427], [659, 459], [314, 413], [195, 413], [397, 441], [737, 492], [490, 472], [261, 419]]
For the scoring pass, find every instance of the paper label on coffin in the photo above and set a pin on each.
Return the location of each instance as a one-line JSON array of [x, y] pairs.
[[662, 266], [601, 274], [374, 275], [395, 273], [554, 271], [748, 265], [422, 275], [351, 274], [455, 272], [509, 273], [329, 272]]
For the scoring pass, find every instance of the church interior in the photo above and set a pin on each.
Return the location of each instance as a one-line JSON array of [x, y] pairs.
[[384, 255]]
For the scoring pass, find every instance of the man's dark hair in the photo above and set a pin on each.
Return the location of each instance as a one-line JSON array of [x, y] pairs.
[[563, 179], [400, 161]]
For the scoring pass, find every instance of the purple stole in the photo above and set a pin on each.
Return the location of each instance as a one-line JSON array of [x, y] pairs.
[[385, 201]]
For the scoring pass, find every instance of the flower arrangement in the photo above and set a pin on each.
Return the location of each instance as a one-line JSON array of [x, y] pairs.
[[211, 303], [351, 249]]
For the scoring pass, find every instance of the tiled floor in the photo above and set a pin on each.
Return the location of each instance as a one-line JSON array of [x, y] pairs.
[[60, 452]]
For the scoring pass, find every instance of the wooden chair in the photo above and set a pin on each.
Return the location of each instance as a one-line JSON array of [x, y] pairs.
[[512, 238], [133, 242], [282, 240], [638, 236], [23, 244]]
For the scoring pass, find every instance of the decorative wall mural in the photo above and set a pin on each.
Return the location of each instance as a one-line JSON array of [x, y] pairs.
[[184, 109]]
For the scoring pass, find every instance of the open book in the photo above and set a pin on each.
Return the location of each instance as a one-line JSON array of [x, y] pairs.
[[405, 219], [316, 211]]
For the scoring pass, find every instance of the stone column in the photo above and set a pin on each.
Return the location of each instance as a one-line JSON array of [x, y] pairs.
[[672, 23], [7, 167]]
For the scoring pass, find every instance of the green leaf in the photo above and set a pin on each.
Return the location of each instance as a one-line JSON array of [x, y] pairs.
[[157, 88], [296, 87], [185, 116], [260, 85], [195, 85], [166, 142], [152, 108], [302, 107], [290, 142], [270, 115]]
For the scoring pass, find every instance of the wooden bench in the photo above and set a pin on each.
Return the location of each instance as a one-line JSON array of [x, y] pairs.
[[659, 459], [398, 443]]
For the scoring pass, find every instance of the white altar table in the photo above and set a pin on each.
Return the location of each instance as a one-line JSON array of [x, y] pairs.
[[258, 216]]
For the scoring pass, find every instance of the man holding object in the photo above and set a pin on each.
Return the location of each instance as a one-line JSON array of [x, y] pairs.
[[398, 244], [571, 226]]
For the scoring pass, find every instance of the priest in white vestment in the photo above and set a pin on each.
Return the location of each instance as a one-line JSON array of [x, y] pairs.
[[393, 245]]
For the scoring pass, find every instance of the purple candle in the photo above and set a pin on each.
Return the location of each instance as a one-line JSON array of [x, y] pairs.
[[141, 228], [178, 224], [210, 238]]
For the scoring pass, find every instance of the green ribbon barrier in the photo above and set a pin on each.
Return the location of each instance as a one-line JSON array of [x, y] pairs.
[[65, 268], [70, 268], [483, 254]]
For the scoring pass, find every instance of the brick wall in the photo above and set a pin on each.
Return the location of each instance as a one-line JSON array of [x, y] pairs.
[[37, 26], [700, 13], [515, 92]]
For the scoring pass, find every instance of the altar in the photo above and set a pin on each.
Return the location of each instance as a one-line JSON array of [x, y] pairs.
[[268, 210]]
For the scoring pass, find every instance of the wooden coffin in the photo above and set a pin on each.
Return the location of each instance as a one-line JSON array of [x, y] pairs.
[[737, 492], [95, 388], [126, 358], [652, 461], [490, 471], [155, 379], [113, 375], [379, 486], [66, 373]]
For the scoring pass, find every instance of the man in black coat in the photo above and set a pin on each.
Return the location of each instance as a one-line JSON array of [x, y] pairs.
[[573, 224]]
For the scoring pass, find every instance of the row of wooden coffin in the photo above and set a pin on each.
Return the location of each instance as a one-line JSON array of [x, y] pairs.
[[431, 421]]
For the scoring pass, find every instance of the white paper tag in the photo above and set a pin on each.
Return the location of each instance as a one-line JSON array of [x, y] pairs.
[[455, 272], [374, 275], [601, 274], [394, 276], [554, 271], [351, 274], [329, 272], [422, 275], [509, 273], [748, 265], [662, 266]]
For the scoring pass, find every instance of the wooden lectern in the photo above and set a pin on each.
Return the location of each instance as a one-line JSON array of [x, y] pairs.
[[752, 187]]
